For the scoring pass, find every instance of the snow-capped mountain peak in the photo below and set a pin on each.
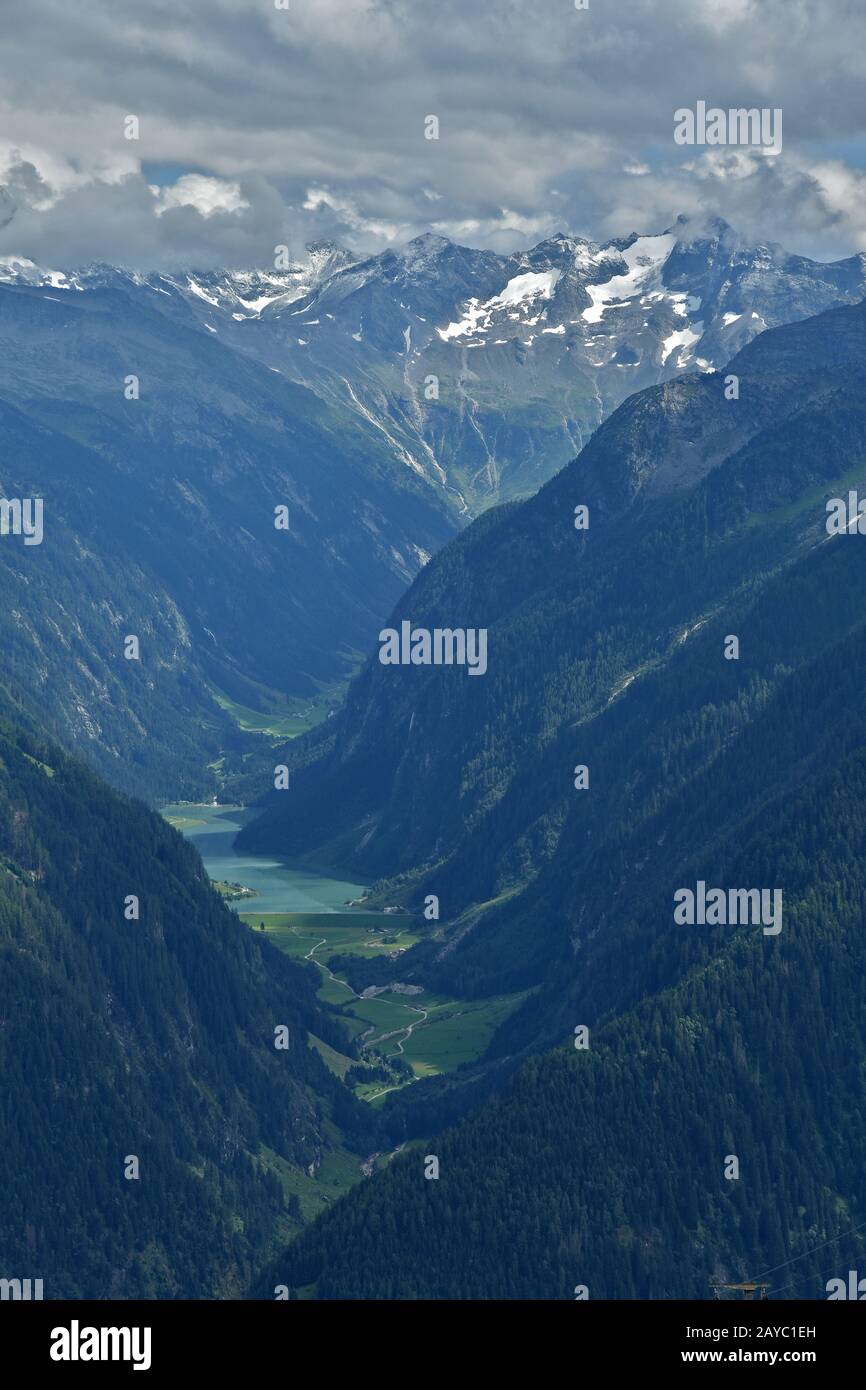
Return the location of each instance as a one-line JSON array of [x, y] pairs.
[[488, 372], [18, 270]]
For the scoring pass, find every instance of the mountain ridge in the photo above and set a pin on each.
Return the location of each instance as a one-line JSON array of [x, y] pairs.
[[527, 352]]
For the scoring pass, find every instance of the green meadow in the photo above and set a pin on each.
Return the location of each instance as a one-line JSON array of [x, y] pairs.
[[810, 501], [282, 716], [281, 723], [338, 1171], [431, 1033], [185, 823]]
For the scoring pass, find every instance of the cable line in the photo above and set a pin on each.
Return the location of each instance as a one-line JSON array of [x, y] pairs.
[[821, 1246]]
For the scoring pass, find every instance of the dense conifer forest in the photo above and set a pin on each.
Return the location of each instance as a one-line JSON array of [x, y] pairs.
[[151, 1038]]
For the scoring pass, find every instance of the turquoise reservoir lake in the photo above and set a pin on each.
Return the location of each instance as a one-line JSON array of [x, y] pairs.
[[278, 886]]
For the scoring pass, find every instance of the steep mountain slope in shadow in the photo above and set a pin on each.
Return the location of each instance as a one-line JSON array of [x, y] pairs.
[[152, 1132]]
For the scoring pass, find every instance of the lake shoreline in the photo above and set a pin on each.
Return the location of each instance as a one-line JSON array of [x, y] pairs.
[[279, 885]]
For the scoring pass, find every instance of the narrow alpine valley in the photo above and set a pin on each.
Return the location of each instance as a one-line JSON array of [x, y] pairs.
[[432, 655]]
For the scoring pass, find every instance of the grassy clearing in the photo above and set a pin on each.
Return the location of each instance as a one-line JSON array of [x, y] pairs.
[[430, 1033], [232, 892], [456, 1032], [294, 719], [185, 823], [339, 1171], [280, 716], [368, 934], [337, 1062], [49, 771], [809, 501]]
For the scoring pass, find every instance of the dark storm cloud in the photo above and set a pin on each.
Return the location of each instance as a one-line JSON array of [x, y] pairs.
[[313, 117]]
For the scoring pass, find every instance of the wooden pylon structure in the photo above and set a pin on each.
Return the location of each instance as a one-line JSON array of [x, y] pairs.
[[744, 1290]]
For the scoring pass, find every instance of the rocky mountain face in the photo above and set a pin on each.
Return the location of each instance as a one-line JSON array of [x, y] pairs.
[[248, 534], [484, 374], [382, 402], [489, 373]]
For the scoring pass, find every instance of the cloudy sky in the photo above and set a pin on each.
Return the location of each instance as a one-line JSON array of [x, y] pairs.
[[260, 126]]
